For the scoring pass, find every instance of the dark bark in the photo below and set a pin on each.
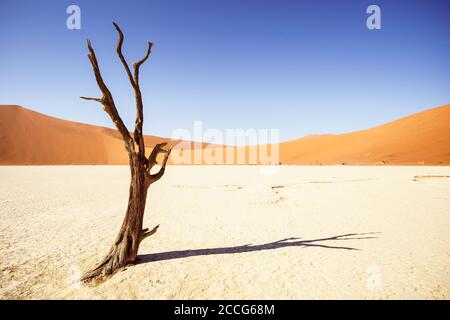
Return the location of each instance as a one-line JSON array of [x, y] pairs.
[[125, 248]]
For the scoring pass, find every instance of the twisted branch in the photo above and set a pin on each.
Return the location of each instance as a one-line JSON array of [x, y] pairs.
[[138, 135], [152, 160], [146, 233], [137, 64], [120, 54], [108, 102]]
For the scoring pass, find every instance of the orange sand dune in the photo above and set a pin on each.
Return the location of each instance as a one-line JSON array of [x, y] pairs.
[[31, 138], [421, 138]]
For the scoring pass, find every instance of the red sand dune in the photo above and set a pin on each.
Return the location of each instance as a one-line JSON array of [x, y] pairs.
[[31, 138]]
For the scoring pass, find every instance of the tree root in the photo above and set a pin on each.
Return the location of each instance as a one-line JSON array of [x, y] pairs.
[[120, 256]]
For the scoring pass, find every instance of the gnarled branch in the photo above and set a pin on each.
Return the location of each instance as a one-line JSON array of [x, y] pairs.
[[157, 149], [93, 99], [108, 102], [137, 64], [138, 135], [146, 233], [120, 54], [155, 177]]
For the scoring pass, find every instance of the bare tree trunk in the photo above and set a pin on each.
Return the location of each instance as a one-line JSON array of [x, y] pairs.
[[125, 248]]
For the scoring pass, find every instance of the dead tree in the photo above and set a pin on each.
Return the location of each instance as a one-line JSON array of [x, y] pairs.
[[125, 248]]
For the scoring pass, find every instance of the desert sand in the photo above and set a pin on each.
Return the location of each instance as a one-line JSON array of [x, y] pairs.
[[247, 232], [31, 138]]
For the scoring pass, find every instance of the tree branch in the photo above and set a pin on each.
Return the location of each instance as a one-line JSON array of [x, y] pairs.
[[137, 135], [154, 154], [137, 64], [146, 233], [120, 54], [108, 102], [155, 177], [94, 99]]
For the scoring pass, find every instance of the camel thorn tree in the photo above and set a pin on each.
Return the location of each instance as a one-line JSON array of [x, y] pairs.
[[125, 248]]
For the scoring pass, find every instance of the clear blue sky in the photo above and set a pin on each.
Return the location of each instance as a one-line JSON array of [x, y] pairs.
[[300, 66]]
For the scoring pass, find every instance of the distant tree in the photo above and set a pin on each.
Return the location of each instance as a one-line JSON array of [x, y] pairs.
[[125, 248]]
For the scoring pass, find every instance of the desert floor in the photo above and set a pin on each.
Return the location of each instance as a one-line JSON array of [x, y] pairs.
[[231, 232]]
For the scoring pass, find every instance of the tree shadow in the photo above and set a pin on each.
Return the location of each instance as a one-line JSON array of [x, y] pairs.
[[288, 242]]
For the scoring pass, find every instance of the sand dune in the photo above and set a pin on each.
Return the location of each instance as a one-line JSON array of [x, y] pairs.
[[422, 138], [31, 138]]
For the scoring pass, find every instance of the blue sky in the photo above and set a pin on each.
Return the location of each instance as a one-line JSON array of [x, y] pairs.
[[300, 66]]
